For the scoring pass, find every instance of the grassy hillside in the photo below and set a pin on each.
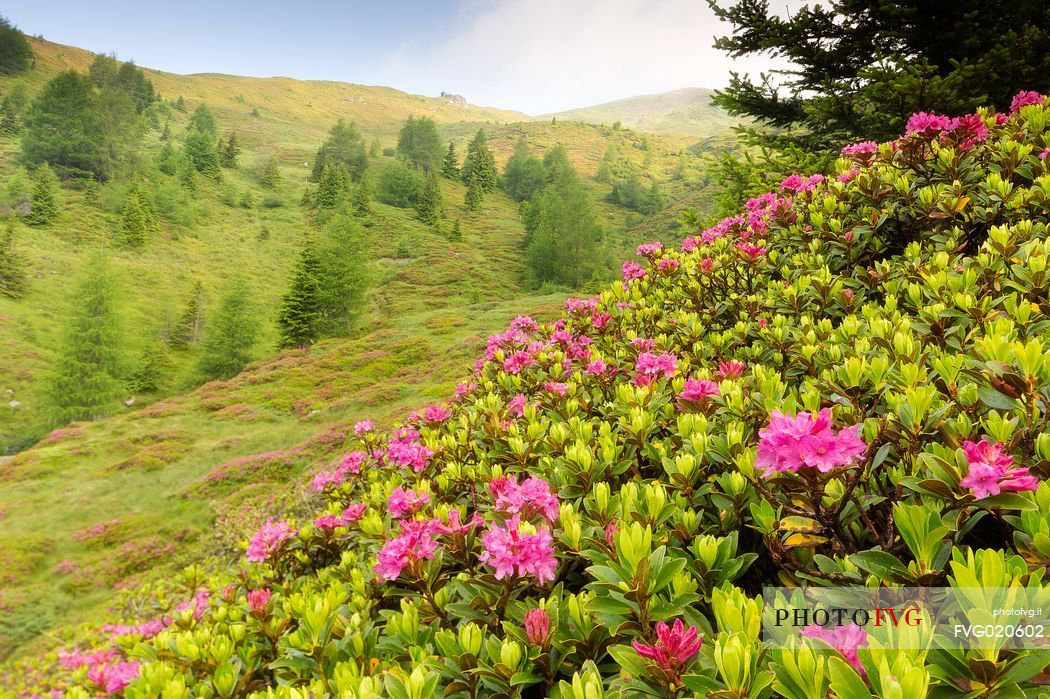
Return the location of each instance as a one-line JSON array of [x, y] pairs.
[[92, 505], [686, 111]]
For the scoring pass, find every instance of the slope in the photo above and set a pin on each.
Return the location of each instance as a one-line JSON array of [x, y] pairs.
[[686, 111]]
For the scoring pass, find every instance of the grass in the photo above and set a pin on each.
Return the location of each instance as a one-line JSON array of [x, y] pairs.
[[155, 478]]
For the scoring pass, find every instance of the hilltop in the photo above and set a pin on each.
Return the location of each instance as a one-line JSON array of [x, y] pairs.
[[687, 111]]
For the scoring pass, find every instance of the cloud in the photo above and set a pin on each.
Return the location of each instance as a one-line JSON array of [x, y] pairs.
[[547, 55]]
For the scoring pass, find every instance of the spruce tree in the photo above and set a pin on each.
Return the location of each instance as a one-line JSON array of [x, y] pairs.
[[230, 334], [472, 200], [11, 110], [153, 364], [165, 135], [92, 192], [342, 276], [188, 329], [479, 164], [362, 197], [85, 381], [450, 165], [523, 174], [429, 205], [202, 120], [374, 149], [13, 277], [344, 145], [419, 143], [200, 148], [43, 208], [298, 319], [229, 151], [333, 187], [16, 55], [133, 220], [455, 234], [186, 172], [271, 175]]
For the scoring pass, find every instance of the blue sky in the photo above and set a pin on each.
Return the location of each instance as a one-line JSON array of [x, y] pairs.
[[535, 56]]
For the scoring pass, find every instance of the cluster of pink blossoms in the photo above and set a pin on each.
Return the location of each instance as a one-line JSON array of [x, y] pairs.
[[351, 464], [259, 600], [415, 543], [404, 450], [845, 639], [537, 626], [861, 151], [436, 414], [405, 502], [363, 427], [632, 270], [650, 367], [114, 678], [991, 471], [695, 392], [1025, 98], [533, 497], [517, 548], [675, 647], [145, 629], [328, 522], [649, 249], [268, 540], [805, 441], [966, 131], [731, 369], [798, 184]]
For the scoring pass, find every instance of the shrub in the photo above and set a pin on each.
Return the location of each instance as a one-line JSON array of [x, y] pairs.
[[842, 385], [400, 186]]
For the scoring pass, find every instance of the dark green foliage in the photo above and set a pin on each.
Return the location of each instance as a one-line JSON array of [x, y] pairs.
[[614, 166], [165, 135], [15, 53], [201, 149], [342, 276], [79, 130], [229, 150], [44, 206], [632, 194], [230, 334], [92, 193], [362, 197], [450, 165], [180, 104], [271, 174], [334, 186], [557, 168], [479, 164], [524, 174], [419, 143], [108, 72], [203, 120], [168, 159], [563, 243], [103, 70], [134, 221], [859, 69], [85, 381], [374, 149], [188, 329], [13, 277], [429, 204], [186, 172], [298, 320], [11, 110], [455, 233], [153, 365], [761, 169], [400, 186], [344, 145], [475, 193]]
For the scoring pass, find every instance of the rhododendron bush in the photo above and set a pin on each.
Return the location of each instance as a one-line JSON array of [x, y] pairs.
[[845, 384]]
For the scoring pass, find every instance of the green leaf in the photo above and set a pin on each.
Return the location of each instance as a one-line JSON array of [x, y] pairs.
[[995, 400], [879, 563], [845, 681]]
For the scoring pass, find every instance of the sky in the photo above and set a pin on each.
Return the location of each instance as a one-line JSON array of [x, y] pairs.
[[534, 56]]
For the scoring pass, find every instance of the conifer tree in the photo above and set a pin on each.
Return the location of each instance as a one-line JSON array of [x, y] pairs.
[[362, 197], [374, 149], [11, 110], [200, 148], [344, 145], [230, 334], [43, 207], [168, 159], [455, 234], [202, 120], [342, 276], [85, 382], [180, 104], [188, 329], [472, 200], [419, 143], [333, 187], [92, 192], [271, 175], [229, 151], [479, 164], [13, 277], [298, 319], [450, 165], [16, 55], [165, 135], [187, 174], [153, 364], [523, 174], [429, 205], [134, 223]]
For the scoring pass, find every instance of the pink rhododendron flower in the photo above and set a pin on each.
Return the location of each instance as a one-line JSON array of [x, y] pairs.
[[353, 513], [695, 392], [406, 452], [517, 361], [848, 175], [436, 413], [798, 184], [649, 249], [599, 320], [145, 629], [991, 471], [1025, 98], [706, 265], [691, 243], [405, 502], [465, 388], [268, 540], [412, 545], [1044, 153], [327, 522], [519, 549], [731, 369], [631, 271], [581, 306], [845, 639], [967, 131], [675, 646], [351, 464], [454, 525], [862, 151], [596, 368], [556, 387], [534, 496], [516, 406], [753, 252], [924, 123], [654, 366], [363, 427], [610, 533], [259, 600], [668, 264], [804, 441], [524, 324], [643, 343], [114, 678], [537, 627], [76, 658]]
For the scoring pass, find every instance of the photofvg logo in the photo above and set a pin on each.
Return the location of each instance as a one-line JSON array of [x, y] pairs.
[[913, 618]]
